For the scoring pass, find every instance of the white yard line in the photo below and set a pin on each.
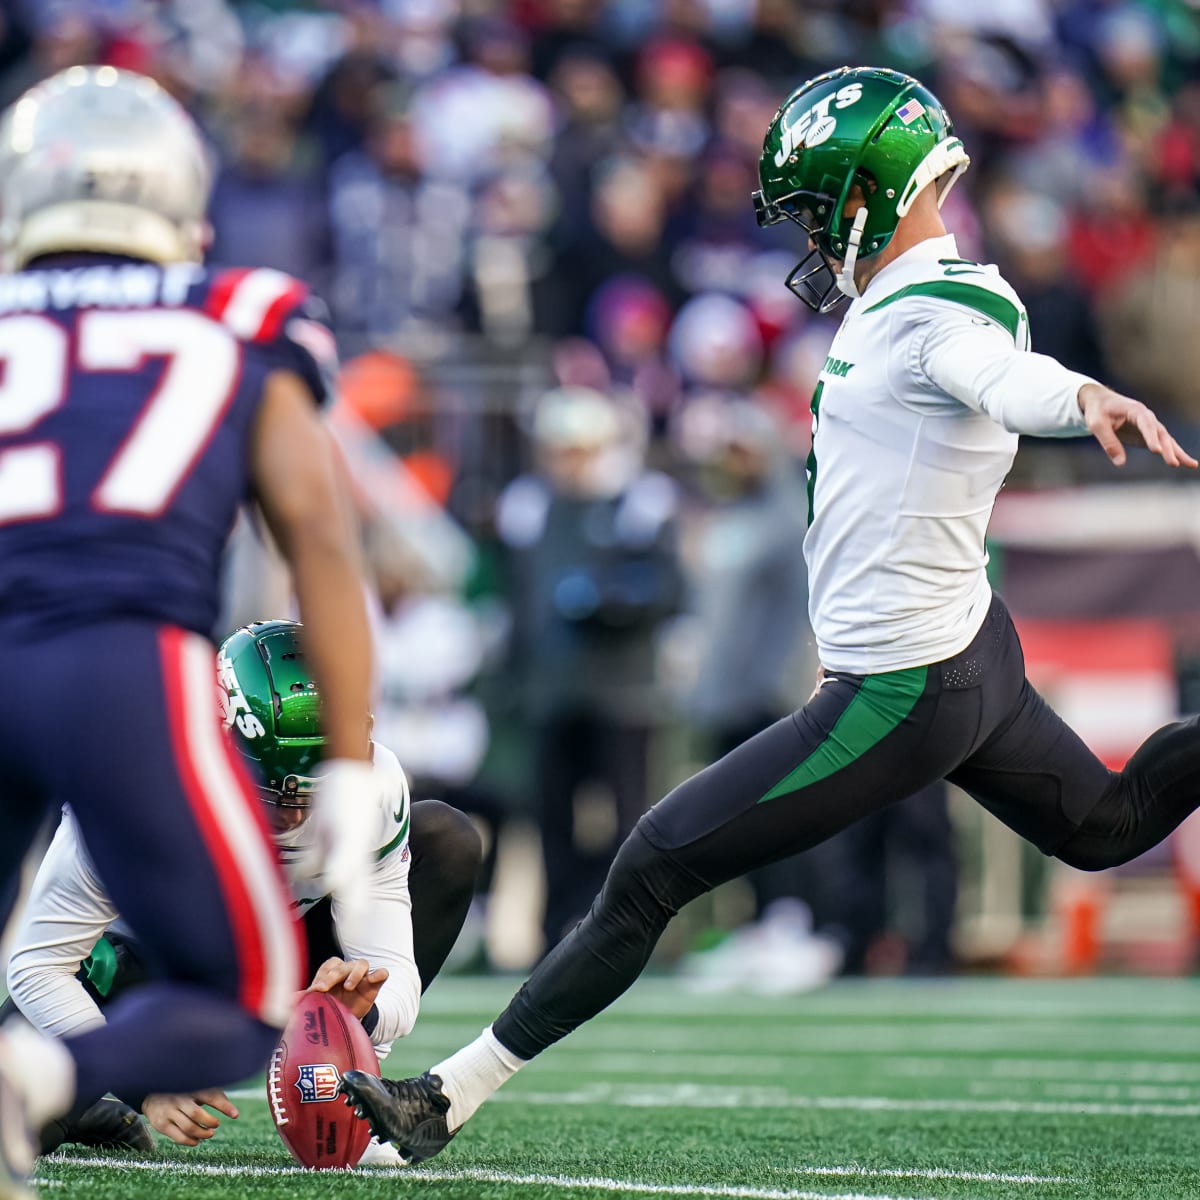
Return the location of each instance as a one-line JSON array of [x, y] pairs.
[[700, 1095], [930, 1173], [567, 1182], [703, 1095], [1092, 1070], [623, 1187], [807, 1064], [1074, 1000], [798, 1037], [1090, 1093]]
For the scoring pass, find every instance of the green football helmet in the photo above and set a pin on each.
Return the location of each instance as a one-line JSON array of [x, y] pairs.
[[272, 708], [879, 129]]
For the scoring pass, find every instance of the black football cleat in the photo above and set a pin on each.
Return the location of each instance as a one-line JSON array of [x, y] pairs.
[[107, 1125], [409, 1113]]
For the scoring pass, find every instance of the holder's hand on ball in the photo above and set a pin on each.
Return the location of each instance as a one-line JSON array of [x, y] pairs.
[[355, 984]]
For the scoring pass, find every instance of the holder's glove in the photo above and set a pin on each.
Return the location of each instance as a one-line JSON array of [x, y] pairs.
[[344, 824]]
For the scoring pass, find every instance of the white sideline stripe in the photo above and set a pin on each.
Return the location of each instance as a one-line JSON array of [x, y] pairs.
[[954, 1068], [931, 1173], [623, 1186], [1111, 1001], [701, 1096], [477, 1175], [859, 1039], [697, 1095]]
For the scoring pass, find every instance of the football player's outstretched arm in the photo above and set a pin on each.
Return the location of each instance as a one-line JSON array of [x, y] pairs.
[[1034, 394], [297, 483]]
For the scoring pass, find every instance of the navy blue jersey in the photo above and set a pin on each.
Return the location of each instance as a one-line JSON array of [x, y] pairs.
[[127, 396]]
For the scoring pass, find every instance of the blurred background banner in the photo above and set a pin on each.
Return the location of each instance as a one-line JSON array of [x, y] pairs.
[[575, 407]]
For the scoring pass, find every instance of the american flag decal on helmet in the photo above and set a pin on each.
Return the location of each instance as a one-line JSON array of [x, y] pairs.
[[910, 110]]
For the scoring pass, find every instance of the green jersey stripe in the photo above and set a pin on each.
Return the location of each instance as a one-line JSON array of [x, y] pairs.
[[401, 834], [879, 705], [1003, 312]]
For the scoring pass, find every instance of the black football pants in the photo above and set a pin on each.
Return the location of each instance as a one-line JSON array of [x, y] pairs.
[[861, 743]]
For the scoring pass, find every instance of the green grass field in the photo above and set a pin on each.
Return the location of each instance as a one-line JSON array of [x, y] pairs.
[[989, 1089]]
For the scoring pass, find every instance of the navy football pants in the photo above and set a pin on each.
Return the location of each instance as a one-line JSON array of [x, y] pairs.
[[121, 720], [860, 744]]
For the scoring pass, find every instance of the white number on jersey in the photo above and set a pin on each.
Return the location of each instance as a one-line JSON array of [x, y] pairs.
[[169, 434]]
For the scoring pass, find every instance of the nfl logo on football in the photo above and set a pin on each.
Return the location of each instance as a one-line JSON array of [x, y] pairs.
[[317, 1082]]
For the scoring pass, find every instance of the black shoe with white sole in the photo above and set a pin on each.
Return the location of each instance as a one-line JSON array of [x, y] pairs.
[[409, 1113]]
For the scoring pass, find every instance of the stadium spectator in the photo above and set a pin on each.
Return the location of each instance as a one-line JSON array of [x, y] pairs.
[[593, 573], [263, 209], [566, 179], [399, 234]]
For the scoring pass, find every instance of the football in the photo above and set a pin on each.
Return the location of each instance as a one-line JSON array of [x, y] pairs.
[[321, 1042]]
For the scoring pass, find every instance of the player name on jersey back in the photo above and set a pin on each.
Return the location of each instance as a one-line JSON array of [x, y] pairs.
[[128, 398], [128, 285]]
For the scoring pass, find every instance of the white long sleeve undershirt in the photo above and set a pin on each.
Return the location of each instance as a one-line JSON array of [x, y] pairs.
[[976, 362]]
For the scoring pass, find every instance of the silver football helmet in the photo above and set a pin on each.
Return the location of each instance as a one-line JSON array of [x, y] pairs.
[[99, 159]]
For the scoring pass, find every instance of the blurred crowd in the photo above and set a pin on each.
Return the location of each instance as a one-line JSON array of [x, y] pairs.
[[571, 177], [576, 390]]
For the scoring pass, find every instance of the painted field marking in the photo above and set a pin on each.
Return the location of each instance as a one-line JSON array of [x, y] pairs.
[[930, 1173], [567, 1182], [700, 1095], [1090, 1093], [1109, 999], [866, 1038], [1094, 1070], [926, 1067]]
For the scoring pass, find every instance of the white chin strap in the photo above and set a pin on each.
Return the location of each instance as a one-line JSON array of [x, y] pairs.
[[845, 277]]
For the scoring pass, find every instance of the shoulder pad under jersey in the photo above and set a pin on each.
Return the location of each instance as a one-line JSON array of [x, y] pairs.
[[277, 313]]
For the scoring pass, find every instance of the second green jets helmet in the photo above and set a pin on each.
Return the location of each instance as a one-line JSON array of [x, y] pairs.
[[272, 709], [879, 129]]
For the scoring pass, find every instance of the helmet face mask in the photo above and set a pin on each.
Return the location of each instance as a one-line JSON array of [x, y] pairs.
[[814, 278], [875, 131]]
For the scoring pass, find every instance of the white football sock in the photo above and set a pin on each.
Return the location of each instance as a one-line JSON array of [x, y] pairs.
[[41, 1068], [472, 1074]]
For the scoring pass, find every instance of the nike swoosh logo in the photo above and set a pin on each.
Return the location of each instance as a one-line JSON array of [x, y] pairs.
[[963, 271], [398, 815]]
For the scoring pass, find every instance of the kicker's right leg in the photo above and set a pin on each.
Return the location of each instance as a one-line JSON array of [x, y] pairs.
[[859, 745]]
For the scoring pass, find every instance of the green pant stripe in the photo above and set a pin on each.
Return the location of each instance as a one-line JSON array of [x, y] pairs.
[[879, 705], [970, 295]]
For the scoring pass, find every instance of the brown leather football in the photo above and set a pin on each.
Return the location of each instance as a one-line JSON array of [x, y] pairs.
[[321, 1042]]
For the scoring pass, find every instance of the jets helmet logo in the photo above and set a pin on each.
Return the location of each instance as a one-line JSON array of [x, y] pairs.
[[815, 125], [317, 1082], [234, 708]]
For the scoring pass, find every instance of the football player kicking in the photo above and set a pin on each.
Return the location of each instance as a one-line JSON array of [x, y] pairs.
[[142, 400], [916, 414], [71, 955]]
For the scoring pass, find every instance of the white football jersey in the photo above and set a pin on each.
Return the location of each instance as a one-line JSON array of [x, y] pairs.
[[68, 911], [915, 421]]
